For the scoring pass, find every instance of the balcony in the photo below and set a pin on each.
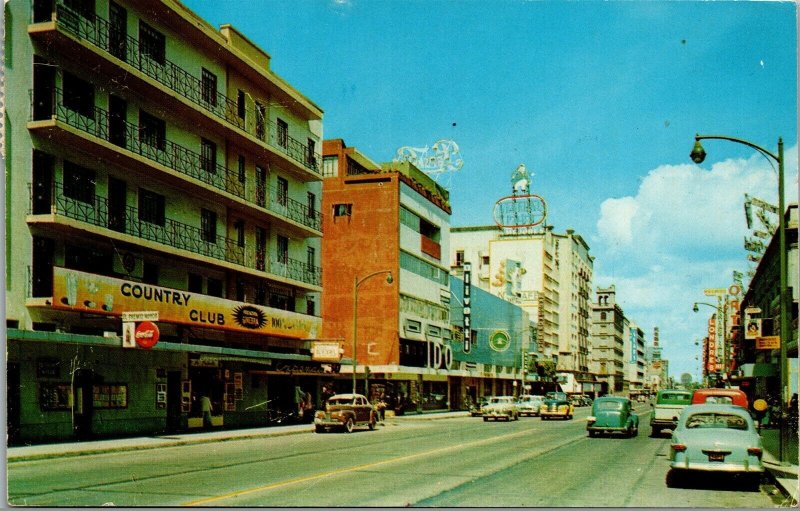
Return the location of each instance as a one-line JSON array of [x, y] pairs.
[[171, 233], [430, 247], [125, 136], [116, 46]]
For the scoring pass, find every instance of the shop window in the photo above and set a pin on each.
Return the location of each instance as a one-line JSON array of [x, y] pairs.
[[152, 43], [214, 287], [55, 396], [109, 396]]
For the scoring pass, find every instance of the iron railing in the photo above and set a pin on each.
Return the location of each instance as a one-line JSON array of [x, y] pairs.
[[126, 219], [174, 156], [103, 35]]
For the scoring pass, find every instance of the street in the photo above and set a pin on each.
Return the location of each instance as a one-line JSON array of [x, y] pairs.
[[455, 462]]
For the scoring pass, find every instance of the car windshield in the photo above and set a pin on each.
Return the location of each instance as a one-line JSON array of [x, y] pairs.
[[338, 401], [722, 400], [675, 398], [716, 420], [500, 400], [609, 405], [556, 395]]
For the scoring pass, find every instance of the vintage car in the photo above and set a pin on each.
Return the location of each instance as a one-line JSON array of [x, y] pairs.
[[715, 438], [720, 396], [476, 409], [528, 404], [501, 407], [667, 408], [578, 400], [556, 404], [345, 412], [612, 415]]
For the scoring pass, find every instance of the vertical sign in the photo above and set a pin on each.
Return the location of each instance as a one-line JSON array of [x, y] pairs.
[[633, 346], [712, 344], [467, 324]]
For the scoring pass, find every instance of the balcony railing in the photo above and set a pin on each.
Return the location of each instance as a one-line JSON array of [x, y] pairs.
[[104, 36], [174, 156], [171, 233], [430, 247]]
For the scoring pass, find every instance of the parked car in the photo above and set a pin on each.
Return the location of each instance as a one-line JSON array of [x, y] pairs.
[[715, 438], [580, 400], [556, 404], [345, 412], [529, 404], [612, 415], [720, 396], [667, 408], [476, 409], [498, 407]]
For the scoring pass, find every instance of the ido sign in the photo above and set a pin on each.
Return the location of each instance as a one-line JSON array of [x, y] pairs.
[[146, 334]]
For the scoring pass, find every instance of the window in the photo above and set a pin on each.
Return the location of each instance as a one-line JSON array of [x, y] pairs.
[[312, 148], [310, 307], [283, 249], [423, 268], [85, 8], [151, 207], [78, 95], [311, 258], [283, 133], [459, 258], [152, 131], [242, 171], [208, 156], [342, 210], [152, 43], [260, 294], [240, 106], [261, 248], [283, 191], [208, 87], [195, 283], [214, 287], [261, 186], [311, 201], [79, 183], [261, 120], [239, 227], [208, 226], [241, 296], [330, 166]]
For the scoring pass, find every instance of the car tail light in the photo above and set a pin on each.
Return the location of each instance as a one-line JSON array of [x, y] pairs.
[[754, 451], [678, 447]]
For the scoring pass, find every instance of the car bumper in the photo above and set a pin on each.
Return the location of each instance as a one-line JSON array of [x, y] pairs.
[[328, 422], [529, 412], [664, 423], [494, 414], [554, 414], [606, 429], [700, 466]]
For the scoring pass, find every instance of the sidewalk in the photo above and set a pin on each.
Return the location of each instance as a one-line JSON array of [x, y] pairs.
[[785, 475], [58, 450]]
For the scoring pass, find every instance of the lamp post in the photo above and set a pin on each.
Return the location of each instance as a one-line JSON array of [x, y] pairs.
[[357, 282], [722, 311], [698, 154]]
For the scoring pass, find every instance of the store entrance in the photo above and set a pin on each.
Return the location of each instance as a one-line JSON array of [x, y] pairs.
[[83, 400], [206, 381]]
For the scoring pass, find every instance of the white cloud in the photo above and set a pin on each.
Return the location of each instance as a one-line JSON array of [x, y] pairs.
[[681, 233]]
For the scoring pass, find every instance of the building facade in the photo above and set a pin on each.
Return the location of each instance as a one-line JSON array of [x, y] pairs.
[[635, 363], [155, 165], [388, 219], [608, 342]]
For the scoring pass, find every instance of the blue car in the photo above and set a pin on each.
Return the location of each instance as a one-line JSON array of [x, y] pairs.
[[612, 415]]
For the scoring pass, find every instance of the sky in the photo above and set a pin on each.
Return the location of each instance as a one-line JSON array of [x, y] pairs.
[[599, 100]]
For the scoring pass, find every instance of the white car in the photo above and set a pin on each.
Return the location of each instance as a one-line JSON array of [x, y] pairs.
[[529, 405], [501, 407]]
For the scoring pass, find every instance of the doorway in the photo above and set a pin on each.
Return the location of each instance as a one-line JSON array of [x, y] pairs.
[[83, 407]]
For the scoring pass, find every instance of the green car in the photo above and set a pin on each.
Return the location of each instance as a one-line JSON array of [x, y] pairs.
[[613, 415]]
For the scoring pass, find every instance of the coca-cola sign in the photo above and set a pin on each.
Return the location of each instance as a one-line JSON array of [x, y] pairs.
[[146, 334]]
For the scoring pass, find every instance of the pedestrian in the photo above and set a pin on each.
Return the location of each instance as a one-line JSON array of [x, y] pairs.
[[206, 408]]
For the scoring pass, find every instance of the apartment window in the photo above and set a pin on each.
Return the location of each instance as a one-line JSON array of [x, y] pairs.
[[459, 258], [151, 207], [342, 210], [283, 249], [78, 95], [152, 43], [195, 283], [310, 307], [261, 248], [150, 273], [311, 258], [261, 120], [152, 131], [283, 133], [208, 226], [241, 296], [240, 106], [283, 191], [242, 172], [214, 287], [79, 183], [208, 88], [239, 227], [311, 201], [330, 166], [260, 297], [312, 148], [83, 7], [208, 156]]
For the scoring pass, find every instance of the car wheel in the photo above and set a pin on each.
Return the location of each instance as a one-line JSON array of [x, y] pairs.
[[486, 419], [348, 426], [655, 432], [674, 478], [636, 431], [372, 424], [591, 434]]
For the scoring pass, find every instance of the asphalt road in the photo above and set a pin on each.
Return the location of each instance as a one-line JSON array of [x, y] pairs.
[[448, 463]]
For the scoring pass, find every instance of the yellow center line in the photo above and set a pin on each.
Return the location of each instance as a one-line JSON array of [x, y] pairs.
[[323, 475]]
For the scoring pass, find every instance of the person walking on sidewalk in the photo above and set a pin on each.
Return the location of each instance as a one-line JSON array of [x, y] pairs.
[[205, 407]]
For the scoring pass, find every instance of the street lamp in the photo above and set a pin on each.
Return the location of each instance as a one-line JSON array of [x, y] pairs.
[[721, 312], [698, 154], [357, 282]]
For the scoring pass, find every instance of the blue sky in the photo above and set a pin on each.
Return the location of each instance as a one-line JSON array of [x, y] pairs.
[[600, 100]]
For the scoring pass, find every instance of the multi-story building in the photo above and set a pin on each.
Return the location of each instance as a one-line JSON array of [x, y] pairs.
[[635, 362], [388, 219], [608, 341], [158, 165]]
